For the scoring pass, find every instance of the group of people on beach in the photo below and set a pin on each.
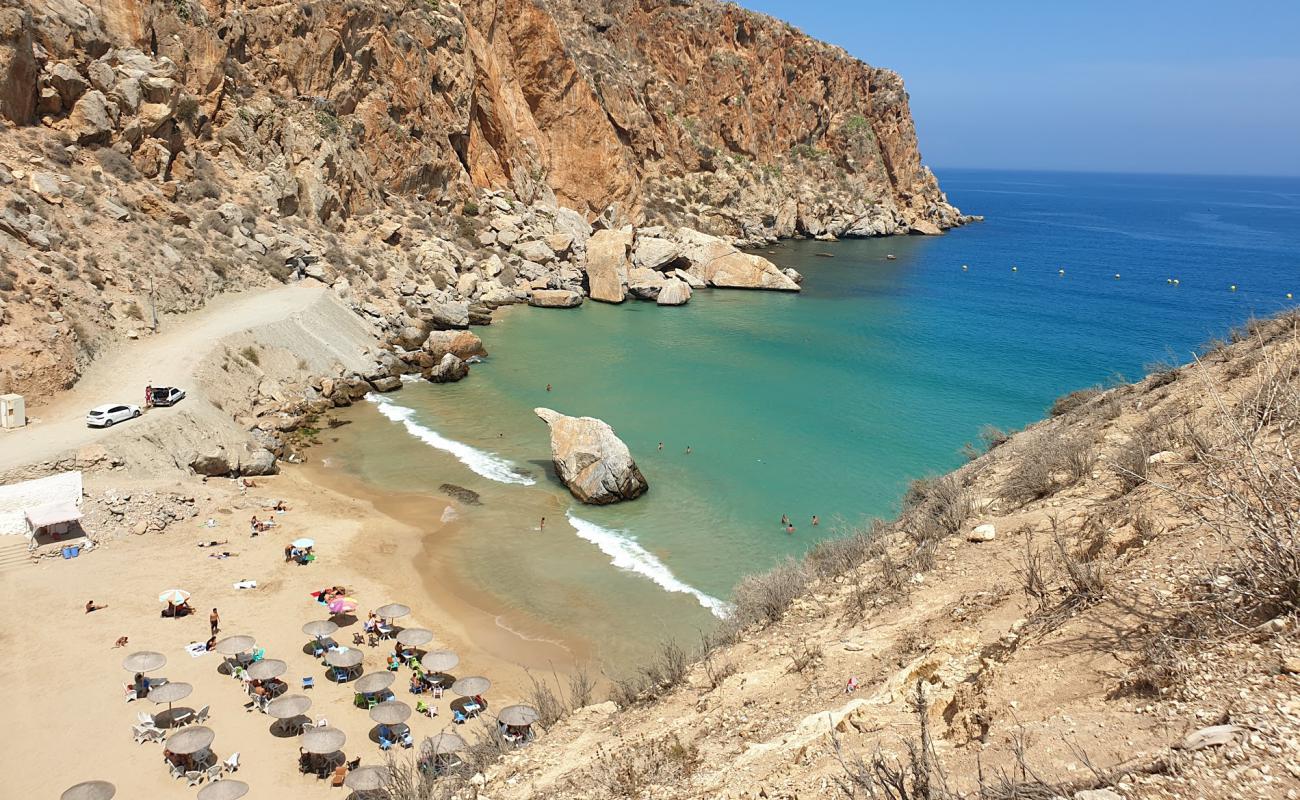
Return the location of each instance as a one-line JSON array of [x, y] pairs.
[[789, 526]]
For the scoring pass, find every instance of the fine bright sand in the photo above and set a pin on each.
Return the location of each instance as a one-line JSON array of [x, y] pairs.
[[65, 716]]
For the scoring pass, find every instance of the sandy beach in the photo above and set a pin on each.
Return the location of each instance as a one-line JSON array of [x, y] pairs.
[[67, 684]]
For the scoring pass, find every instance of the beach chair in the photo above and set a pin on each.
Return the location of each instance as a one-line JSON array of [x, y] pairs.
[[231, 764], [406, 738], [202, 716], [458, 717], [184, 718], [141, 733], [194, 777], [385, 744], [308, 682], [130, 693], [340, 775], [317, 649], [340, 674], [259, 654], [177, 772], [213, 772], [437, 691], [146, 719]]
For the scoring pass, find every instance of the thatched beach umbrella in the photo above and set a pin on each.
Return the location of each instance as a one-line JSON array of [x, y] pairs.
[[289, 706], [344, 658], [393, 712], [170, 692], [144, 661], [374, 682], [190, 741], [320, 628], [518, 716], [234, 645], [440, 661], [367, 779], [323, 741], [443, 744], [414, 637], [223, 790], [267, 669], [468, 687], [392, 611], [90, 790]]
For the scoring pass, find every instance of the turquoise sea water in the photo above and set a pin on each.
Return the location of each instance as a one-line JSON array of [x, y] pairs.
[[826, 402]]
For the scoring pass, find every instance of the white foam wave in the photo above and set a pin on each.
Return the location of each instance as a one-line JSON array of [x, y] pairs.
[[489, 465], [625, 553]]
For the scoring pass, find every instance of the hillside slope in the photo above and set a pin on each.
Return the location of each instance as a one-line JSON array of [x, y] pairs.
[[1135, 584], [419, 158]]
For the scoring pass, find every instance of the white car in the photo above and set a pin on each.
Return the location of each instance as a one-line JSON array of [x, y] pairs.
[[106, 415]]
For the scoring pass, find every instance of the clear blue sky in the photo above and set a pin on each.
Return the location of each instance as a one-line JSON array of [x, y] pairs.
[[1142, 85]]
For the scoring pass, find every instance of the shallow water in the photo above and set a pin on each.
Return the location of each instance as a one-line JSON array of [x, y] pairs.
[[826, 402]]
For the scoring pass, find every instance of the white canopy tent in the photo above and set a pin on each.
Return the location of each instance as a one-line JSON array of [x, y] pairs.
[[28, 507]]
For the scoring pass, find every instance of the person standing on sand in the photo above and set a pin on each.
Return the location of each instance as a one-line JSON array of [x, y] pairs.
[[214, 619], [148, 396]]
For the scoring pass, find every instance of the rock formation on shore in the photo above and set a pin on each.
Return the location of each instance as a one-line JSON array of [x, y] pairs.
[[429, 163], [591, 460]]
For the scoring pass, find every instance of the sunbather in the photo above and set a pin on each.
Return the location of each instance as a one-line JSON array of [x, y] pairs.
[[214, 543], [91, 605]]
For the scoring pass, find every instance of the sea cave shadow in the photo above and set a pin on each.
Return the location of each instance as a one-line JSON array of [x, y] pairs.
[[547, 468]]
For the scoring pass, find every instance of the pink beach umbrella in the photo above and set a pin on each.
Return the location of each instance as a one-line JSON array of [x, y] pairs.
[[342, 605]]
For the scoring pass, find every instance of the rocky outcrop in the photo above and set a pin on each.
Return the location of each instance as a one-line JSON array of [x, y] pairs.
[[555, 298], [608, 261], [449, 370], [717, 263], [591, 460], [462, 344]]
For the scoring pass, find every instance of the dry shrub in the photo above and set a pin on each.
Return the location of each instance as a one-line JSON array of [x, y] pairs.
[[631, 769], [1077, 399], [1047, 463], [934, 508], [1131, 462], [806, 656], [659, 676], [763, 599], [831, 558]]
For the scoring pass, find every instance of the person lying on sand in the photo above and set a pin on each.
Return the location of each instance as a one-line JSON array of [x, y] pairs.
[[279, 506], [223, 554], [121, 641], [91, 605], [213, 543]]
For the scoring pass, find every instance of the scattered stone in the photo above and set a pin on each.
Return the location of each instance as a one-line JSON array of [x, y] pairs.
[[46, 187], [982, 533], [387, 383], [449, 370]]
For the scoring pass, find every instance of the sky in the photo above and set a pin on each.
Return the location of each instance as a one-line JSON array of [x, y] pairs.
[[1138, 86]]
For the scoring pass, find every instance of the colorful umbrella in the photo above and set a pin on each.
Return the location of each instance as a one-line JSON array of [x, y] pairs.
[[174, 596]]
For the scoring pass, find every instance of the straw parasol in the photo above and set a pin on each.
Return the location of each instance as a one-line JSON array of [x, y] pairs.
[[444, 744], [266, 669], [320, 628], [414, 637], [392, 712], [367, 779], [323, 741], [170, 692], [234, 645], [374, 682], [468, 687], [304, 543], [223, 790], [518, 716], [344, 658], [174, 596], [289, 706], [440, 661], [190, 740], [144, 661], [90, 790], [392, 611]]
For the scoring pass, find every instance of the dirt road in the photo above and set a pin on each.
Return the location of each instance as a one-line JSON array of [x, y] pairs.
[[167, 358]]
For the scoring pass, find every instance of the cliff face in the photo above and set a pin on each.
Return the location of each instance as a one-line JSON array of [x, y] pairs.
[[429, 161]]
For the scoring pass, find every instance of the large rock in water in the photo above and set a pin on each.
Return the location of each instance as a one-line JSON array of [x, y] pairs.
[[718, 263], [608, 261], [674, 293], [449, 370], [591, 460], [555, 298], [462, 344]]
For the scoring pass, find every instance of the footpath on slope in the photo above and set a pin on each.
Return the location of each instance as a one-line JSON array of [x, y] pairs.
[[168, 358]]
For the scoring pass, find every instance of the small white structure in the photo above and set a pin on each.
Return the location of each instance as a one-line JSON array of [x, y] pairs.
[[13, 411], [48, 505]]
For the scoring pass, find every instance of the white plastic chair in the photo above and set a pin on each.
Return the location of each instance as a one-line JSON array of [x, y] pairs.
[[232, 764], [194, 777], [146, 719], [214, 772], [177, 772], [202, 716]]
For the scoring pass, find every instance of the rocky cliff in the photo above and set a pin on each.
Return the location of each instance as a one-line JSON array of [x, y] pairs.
[[429, 161]]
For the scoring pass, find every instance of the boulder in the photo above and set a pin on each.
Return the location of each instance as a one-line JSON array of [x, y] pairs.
[[560, 243], [462, 344], [65, 80], [212, 464], [258, 461], [793, 274], [925, 227], [388, 383], [652, 252], [536, 251], [591, 460], [692, 281], [449, 370], [674, 293], [409, 337], [982, 533], [46, 187], [644, 284], [718, 263], [18, 67], [555, 298], [608, 262], [450, 314]]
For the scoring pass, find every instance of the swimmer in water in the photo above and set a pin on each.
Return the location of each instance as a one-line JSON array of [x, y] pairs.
[[542, 525], [548, 387], [661, 445], [785, 520], [789, 528], [688, 449], [815, 520]]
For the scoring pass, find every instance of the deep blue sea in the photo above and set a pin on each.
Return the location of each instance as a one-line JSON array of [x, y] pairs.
[[826, 402]]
